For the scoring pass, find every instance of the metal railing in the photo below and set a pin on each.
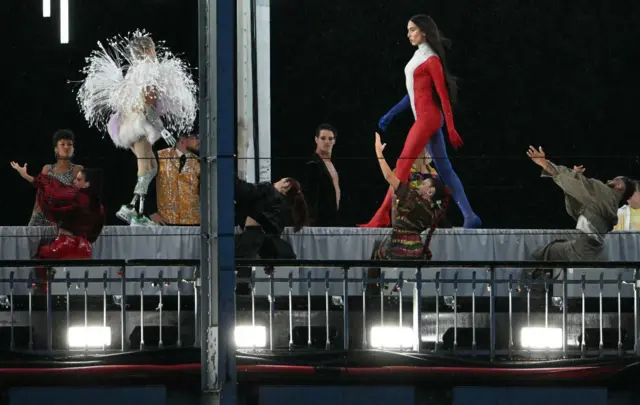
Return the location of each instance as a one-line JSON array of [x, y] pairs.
[[54, 326], [458, 308], [437, 317]]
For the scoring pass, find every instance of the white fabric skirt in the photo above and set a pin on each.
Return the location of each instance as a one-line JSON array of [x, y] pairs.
[[131, 128]]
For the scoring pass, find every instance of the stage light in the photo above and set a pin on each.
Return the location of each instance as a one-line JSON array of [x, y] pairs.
[[64, 21], [429, 338], [248, 337], [541, 338], [46, 8], [385, 337], [91, 336]]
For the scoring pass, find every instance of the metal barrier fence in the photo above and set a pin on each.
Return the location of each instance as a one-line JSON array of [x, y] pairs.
[[95, 328], [441, 325], [460, 308]]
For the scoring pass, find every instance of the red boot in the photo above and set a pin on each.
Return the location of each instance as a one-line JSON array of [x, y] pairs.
[[84, 249], [58, 248], [63, 246], [44, 251]]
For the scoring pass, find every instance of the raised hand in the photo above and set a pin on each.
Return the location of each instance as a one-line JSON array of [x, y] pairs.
[[20, 169], [537, 155], [579, 169], [379, 145], [168, 138], [384, 122]]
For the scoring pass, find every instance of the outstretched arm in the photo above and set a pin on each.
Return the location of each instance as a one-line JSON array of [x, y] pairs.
[[22, 171], [572, 182], [403, 105], [388, 174]]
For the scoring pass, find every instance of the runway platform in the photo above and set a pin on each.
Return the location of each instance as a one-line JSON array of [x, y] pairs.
[[123, 242]]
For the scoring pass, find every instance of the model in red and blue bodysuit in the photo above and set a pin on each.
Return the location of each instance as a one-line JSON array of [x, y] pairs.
[[423, 73]]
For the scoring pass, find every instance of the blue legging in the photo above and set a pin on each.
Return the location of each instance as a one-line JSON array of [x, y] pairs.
[[438, 151]]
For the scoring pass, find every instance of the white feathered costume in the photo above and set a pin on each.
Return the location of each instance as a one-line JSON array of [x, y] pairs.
[[113, 95]]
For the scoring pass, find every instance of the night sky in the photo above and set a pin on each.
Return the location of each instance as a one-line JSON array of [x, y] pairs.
[[558, 74]]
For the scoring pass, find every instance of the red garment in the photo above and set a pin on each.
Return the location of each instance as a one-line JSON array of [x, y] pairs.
[[63, 247], [426, 76], [69, 207], [423, 73], [66, 247]]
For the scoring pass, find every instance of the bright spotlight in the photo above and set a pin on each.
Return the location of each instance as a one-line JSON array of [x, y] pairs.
[[91, 337], [541, 338], [385, 337], [248, 337]]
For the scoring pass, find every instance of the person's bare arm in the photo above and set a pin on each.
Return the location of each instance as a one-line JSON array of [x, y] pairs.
[[573, 183], [539, 157], [22, 170], [388, 174]]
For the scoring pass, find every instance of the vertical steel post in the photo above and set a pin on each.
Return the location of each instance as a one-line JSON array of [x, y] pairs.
[[218, 133]]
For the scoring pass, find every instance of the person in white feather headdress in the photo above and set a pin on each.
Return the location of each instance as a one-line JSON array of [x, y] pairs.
[[138, 92]]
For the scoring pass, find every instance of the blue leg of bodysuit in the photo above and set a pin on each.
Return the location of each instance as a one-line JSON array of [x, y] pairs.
[[438, 151]]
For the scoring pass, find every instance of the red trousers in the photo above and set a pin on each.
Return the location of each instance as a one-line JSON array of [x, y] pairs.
[[63, 247], [419, 135]]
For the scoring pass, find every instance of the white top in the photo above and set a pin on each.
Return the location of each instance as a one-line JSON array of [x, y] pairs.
[[422, 54]]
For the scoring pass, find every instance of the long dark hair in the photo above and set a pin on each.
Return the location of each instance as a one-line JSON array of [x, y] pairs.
[[436, 39], [299, 209]]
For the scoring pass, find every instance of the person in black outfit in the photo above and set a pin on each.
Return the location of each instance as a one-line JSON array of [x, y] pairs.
[[262, 211], [322, 185]]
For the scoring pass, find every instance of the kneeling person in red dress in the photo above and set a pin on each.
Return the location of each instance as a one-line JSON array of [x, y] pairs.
[[75, 209]]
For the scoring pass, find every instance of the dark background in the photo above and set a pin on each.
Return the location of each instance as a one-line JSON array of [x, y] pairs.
[[558, 74]]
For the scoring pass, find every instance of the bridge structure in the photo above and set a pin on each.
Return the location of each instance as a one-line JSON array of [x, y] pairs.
[[484, 319]]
